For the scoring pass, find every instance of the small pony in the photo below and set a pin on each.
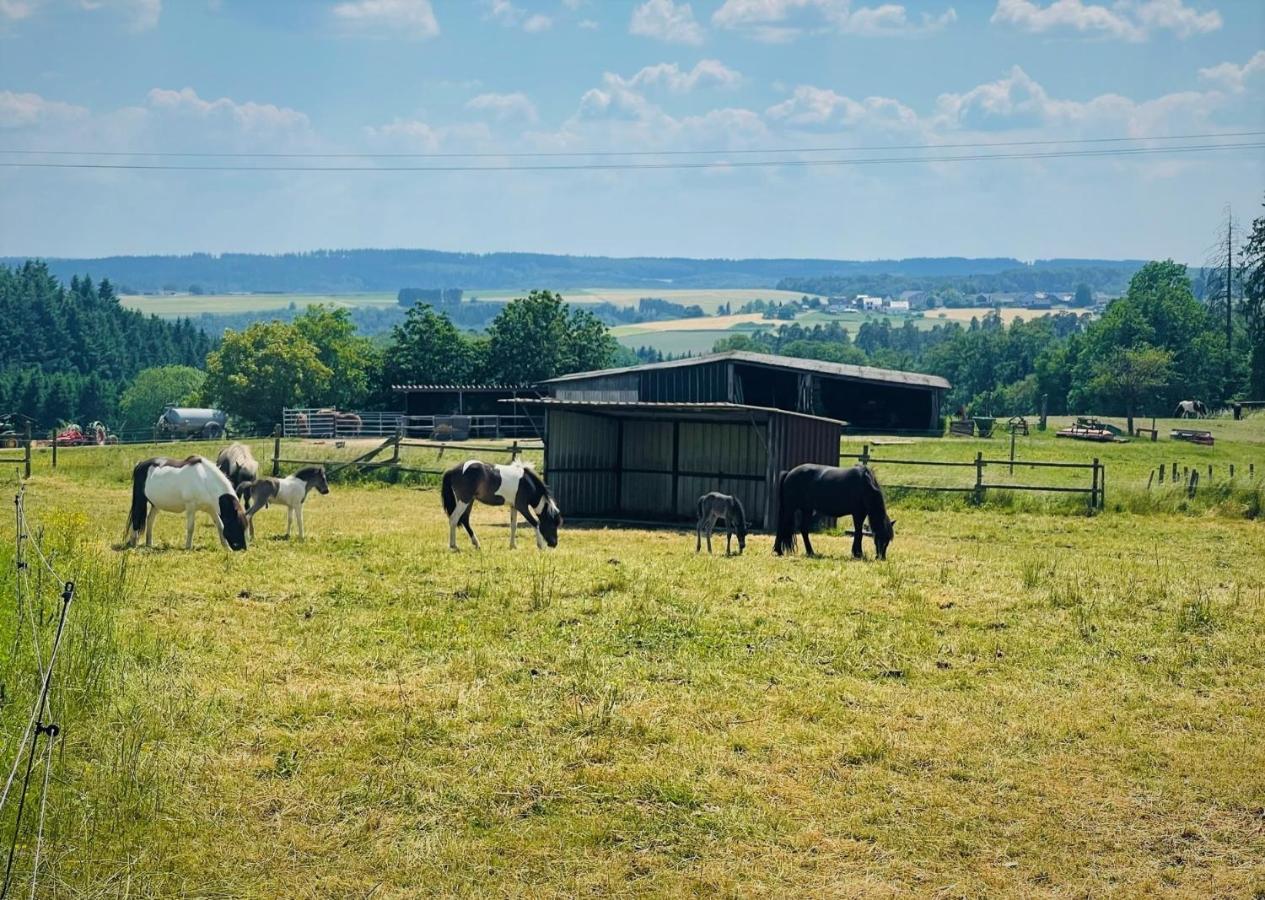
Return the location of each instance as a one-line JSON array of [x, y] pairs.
[[1188, 409], [184, 485], [855, 492], [290, 492], [516, 484], [238, 464], [712, 508]]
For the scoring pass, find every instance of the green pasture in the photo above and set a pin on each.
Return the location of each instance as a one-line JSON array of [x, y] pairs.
[[1023, 700], [197, 304]]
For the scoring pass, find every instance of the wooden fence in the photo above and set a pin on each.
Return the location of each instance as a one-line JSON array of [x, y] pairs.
[[372, 459], [1096, 490]]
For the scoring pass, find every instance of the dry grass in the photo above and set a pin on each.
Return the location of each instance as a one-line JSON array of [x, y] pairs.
[[1011, 704]]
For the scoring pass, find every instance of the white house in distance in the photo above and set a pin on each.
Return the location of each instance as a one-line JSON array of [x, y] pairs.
[[865, 301], [898, 305]]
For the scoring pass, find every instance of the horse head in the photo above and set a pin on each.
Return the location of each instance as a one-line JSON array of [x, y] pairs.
[[883, 537], [550, 521], [233, 520]]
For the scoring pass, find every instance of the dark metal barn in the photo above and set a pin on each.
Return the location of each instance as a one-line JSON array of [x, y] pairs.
[[637, 460], [865, 398]]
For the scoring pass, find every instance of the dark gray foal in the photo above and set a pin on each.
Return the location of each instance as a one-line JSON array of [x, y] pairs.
[[712, 508]]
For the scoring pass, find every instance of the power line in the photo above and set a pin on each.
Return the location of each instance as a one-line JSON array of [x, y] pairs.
[[574, 154], [709, 164]]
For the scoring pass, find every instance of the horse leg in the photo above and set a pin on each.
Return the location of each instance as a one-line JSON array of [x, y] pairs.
[[858, 520], [711, 527], [289, 516], [729, 538], [513, 526], [149, 526], [188, 529], [298, 515], [465, 523], [540, 538], [805, 522], [698, 535], [453, 520]]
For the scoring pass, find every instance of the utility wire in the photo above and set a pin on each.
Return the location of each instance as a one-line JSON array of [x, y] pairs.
[[710, 164], [573, 154]]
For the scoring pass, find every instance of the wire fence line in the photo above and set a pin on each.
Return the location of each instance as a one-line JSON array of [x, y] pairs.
[[36, 727]]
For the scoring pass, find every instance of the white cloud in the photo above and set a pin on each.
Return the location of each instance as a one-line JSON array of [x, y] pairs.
[[15, 9], [670, 75], [140, 14], [778, 21], [589, 25], [415, 134], [666, 21], [413, 17], [24, 110], [504, 12], [810, 106], [1233, 77], [1128, 20], [249, 116], [505, 106]]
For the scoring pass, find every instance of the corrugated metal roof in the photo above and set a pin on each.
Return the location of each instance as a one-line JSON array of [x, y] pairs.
[[735, 411], [838, 370], [417, 388]]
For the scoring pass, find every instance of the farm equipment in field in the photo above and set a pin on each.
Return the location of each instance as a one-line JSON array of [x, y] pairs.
[[1088, 428], [1193, 435], [12, 429], [74, 436], [191, 422]]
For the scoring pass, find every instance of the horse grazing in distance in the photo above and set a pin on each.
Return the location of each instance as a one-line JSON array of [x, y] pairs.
[[238, 464], [1191, 409], [290, 492], [836, 492], [711, 509], [516, 484], [184, 485]]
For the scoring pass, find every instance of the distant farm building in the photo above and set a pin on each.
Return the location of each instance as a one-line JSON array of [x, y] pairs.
[[862, 397]]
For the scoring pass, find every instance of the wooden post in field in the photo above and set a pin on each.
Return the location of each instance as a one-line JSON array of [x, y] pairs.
[[1193, 485], [1231, 471], [1093, 486], [26, 457], [979, 476], [1102, 486], [865, 454], [395, 457], [1210, 471], [514, 450], [1150, 479], [276, 451], [1174, 471], [1163, 468], [52, 438], [1155, 434], [1012, 451]]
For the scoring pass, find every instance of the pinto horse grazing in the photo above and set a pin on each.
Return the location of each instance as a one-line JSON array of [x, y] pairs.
[[1188, 409], [238, 463], [184, 485], [290, 492], [516, 484], [836, 492]]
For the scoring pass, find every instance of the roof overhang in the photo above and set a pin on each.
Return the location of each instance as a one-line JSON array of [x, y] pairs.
[[711, 412], [463, 388]]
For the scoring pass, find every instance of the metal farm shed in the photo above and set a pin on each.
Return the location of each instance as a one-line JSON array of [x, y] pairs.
[[865, 398], [638, 460]]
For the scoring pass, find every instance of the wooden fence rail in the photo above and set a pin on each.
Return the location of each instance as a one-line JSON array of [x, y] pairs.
[[368, 461], [1096, 491]]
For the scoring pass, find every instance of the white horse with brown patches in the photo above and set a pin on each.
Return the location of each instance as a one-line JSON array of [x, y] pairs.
[[516, 484], [291, 492], [185, 485]]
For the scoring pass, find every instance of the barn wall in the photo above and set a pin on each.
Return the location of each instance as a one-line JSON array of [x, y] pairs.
[[647, 445], [730, 458], [794, 440], [620, 388], [582, 441], [702, 383]]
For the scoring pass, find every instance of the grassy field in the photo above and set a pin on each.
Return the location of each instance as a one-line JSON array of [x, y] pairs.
[[1015, 703], [196, 304]]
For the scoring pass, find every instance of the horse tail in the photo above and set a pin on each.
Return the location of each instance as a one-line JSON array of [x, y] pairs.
[[448, 493], [785, 540], [140, 503]]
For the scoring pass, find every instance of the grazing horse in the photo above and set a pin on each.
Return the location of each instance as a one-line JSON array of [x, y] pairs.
[[712, 508], [836, 492], [290, 492], [516, 484], [1189, 409], [238, 464], [184, 485]]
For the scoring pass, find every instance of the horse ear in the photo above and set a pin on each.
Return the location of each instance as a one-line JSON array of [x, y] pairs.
[[891, 523]]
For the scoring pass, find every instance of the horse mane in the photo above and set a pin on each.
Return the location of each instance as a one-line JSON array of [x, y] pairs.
[[308, 472], [878, 511], [740, 515]]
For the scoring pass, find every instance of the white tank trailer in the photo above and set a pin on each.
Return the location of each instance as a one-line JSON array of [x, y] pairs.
[[187, 421]]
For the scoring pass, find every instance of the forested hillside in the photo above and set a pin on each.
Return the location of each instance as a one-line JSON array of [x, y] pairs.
[[65, 352], [1111, 278], [344, 271]]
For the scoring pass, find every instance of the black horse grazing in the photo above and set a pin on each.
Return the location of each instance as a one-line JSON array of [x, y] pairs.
[[836, 492], [515, 484]]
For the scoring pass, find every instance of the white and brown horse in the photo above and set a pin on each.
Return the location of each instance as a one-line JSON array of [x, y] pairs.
[[290, 492], [516, 484], [185, 485]]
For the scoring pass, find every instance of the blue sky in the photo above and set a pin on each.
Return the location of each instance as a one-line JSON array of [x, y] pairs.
[[599, 76]]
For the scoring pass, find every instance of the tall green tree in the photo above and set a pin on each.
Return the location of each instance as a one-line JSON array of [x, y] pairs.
[[1253, 277], [1133, 377], [258, 372], [538, 337], [352, 360], [143, 399], [428, 349]]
